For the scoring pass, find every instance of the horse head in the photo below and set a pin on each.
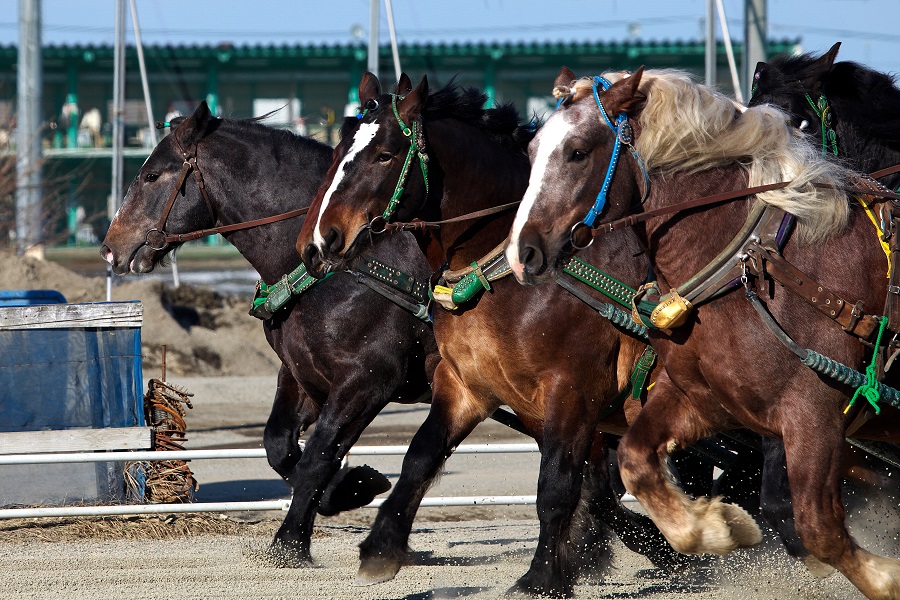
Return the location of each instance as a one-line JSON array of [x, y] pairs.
[[165, 195], [378, 168], [573, 158], [794, 83]]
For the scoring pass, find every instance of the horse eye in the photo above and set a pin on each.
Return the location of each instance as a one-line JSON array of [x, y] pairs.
[[151, 177], [385, 157], [578, 156]]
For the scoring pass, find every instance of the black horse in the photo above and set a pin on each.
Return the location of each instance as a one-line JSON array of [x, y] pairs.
[[346, 350], [863, 106]]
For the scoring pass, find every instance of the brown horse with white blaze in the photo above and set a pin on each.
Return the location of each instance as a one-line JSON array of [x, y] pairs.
[[541, 351], [723, 367]]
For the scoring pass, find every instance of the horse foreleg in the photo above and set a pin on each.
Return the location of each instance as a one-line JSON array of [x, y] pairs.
[[292, 412], [700, 526], [453, 415], [814, 471], [344, 416], [566, 442]]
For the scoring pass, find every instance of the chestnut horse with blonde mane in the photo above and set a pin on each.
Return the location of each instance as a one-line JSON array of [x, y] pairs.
[[723, 367]]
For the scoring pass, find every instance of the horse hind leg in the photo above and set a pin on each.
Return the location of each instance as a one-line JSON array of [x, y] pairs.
[[814, 470], [702, 526]]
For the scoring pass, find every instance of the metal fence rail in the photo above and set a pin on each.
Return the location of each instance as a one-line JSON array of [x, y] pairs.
[[144, 509]]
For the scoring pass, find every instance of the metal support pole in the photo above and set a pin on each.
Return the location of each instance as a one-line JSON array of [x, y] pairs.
[[118, 126], [29, 125], [143, 68], [710, 42], [373, 37], [729, 52], [755, 31], [394, 52]]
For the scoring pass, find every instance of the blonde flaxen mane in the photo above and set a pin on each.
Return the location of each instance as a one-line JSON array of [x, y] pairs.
[[685, 126]]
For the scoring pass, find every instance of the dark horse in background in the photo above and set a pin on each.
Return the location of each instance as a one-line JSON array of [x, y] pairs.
[[864, 106], [541, 351], [346, 351], [723, 367]]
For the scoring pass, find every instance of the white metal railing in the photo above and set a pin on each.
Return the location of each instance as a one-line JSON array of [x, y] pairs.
[[284, 504]]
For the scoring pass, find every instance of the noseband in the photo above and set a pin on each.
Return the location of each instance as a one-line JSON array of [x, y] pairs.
[[623, 135], [157, 238]]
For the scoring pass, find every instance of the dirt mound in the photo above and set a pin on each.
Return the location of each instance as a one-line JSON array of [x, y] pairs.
[[206, 333]]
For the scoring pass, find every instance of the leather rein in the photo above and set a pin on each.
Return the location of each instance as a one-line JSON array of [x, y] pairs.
[[634, 219], [157, 238]]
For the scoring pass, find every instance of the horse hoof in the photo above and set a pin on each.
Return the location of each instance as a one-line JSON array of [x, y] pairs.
[[376, 570], [288, 555], [352, 488], [816, 567], [744, 529]]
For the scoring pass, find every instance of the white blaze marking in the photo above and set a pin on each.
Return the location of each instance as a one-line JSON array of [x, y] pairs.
[[550, 137], [362, 138]]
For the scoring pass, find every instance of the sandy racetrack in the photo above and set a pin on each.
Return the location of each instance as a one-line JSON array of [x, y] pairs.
[[476, 553]]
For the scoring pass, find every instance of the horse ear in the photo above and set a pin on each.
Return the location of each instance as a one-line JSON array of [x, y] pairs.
[[623, 95], [369, 88], [565, 77], [192, 129], [411, 106], [404, 86], [819, 68]]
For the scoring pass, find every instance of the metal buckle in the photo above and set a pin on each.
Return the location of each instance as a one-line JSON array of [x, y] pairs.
[[162, 238]]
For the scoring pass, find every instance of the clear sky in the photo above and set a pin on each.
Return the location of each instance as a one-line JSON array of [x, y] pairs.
[[869, 29]]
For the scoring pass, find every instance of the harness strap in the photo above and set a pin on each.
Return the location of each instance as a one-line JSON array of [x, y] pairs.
[[852, 318], [468, 282], [818, 362]]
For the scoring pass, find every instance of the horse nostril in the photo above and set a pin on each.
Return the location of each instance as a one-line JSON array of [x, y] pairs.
[[532, 259], [334, 241], [311, 257], [106, 253]]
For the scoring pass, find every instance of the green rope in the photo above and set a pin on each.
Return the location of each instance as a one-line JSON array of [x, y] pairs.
[[869, 389]]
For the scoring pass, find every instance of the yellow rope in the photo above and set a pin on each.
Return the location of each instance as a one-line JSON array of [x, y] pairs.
[[884, 244]]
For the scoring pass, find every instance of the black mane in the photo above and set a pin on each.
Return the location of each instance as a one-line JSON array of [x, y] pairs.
[[466, 104]]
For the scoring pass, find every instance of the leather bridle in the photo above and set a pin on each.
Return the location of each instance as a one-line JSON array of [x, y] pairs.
[[157, 238]]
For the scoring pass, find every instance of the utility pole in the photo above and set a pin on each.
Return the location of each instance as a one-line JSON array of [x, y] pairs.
[[29, 125], [756, 24]]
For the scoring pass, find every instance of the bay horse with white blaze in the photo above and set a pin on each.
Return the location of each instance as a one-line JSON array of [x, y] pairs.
[[346, 351], [541, 351], [727, 363]]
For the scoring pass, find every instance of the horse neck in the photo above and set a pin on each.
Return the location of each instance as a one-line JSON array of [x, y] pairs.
[[676, 250], [477, 173], [265, 176]]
